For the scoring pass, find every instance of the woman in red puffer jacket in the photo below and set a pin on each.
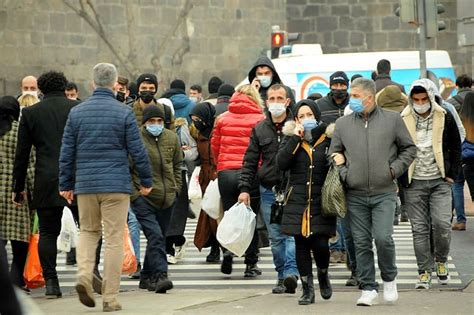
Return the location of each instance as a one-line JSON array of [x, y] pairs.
[[230, 139]]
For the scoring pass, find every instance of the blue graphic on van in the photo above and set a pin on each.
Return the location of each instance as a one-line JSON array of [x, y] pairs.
[[319, 82]]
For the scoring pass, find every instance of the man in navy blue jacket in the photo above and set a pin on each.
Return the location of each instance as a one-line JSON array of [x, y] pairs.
[[100, 135]]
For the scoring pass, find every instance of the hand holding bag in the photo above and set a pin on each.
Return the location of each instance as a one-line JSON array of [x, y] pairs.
[[236, 230], [333, 197]]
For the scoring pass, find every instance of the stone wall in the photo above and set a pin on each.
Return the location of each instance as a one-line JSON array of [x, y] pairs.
[[370, 25], [191, 40]]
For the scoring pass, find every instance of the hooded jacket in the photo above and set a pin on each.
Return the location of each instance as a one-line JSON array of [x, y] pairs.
[[181, 103], [391, 98], [446, 139], [231, 134], [265, 61], [377, 151]]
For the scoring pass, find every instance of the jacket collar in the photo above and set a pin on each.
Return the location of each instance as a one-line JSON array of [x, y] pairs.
[[103, 92], [54, 94]]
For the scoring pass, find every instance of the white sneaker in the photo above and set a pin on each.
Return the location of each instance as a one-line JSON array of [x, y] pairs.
[[171, 259], [180, 250], [368, 298], [390, 293]]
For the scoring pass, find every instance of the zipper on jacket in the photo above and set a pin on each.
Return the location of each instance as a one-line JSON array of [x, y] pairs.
[[162, 173], [368, 164]]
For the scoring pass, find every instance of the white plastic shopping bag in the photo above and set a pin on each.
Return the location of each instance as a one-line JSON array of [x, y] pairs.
[[194, 192], [211, 201], [68, 236], [236, 230]]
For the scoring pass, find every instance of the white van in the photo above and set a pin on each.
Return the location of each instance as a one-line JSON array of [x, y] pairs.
[[306, 69]]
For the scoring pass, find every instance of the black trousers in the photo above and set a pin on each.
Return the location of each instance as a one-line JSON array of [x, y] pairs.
[[318, 245], [468, 169], [229, 190], [49, 228], [20, 252], [8, 300]]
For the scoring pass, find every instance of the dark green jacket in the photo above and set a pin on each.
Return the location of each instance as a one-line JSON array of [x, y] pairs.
[[166, 159]]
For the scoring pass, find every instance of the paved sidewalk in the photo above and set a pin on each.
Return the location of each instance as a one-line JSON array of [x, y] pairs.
[[259, 301]]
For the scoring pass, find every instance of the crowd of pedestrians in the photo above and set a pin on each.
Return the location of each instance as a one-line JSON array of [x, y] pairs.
[[124, 157]]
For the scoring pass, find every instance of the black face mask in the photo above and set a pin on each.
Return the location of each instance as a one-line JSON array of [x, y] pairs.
[[200, 125], [339, 94], [147, 96], [120, 97]]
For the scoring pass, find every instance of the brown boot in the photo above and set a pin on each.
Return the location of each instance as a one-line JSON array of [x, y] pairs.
[[111, 306], [459, 226]]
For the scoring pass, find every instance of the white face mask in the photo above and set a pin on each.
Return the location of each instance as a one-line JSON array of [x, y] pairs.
[[265, 80], [34, 93], [276, 109], [194, 99], [421, 109]]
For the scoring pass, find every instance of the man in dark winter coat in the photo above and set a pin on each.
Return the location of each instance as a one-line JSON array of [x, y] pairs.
[[463, 84], [223, 98], [42, 126], [263, 146], [333, 104], [263, 75], [383, 78], [378, 149]]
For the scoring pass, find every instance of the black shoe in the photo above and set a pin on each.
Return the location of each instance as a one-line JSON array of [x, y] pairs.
[[136, 274], [226, 267], [353, 281], [97, 282], [252, 270], [52, 289], [152, 284], [325, 288], [71, 257], [308, 291], [395, 220], [214, 256], [404, 217], [290, 283], [144, 283], [279, 287], [163, 284]]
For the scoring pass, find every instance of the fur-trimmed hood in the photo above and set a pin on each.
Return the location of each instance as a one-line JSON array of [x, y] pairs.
[[289, 129]]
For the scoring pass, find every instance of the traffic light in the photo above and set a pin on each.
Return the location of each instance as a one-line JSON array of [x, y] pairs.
[[432, 9], [407, 11], [278, 40]]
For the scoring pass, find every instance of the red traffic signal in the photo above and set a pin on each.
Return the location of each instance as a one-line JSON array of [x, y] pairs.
[[278, 39]]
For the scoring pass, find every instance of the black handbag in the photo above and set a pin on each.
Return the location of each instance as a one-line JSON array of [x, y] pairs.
[[282, 193], [333, 197]]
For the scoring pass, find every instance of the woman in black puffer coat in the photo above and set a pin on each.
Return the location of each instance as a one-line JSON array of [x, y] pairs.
[[303, 154]]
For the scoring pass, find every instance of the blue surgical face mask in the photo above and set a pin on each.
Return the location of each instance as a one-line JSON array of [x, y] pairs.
[[355, 104], [155, 129], [265, 80], [309, 123]]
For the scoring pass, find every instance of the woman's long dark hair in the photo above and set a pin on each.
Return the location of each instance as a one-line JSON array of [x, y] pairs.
[[9, 111], [467, 116]]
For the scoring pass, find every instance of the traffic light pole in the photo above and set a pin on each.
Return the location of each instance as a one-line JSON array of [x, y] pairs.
[[422, 37]]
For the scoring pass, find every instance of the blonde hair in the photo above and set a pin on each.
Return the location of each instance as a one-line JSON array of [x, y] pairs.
[[27, 100], [252, 93]]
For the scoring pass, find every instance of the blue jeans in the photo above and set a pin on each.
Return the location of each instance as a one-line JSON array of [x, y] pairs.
[[339, 244], [283, 246], [134, 230], [372, 219], [458, 198], [154, 222], [349, 241]]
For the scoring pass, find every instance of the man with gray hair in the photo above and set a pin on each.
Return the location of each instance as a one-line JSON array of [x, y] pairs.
[[99, 136], [372, 148]]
